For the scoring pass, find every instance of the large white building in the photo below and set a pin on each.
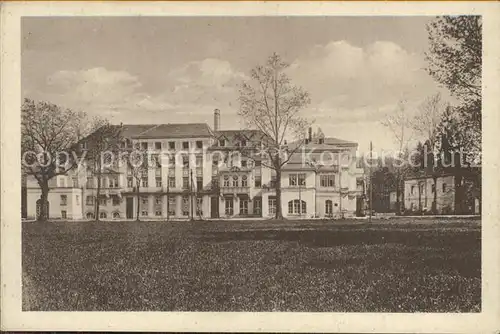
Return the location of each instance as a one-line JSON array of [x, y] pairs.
[[204, 173]]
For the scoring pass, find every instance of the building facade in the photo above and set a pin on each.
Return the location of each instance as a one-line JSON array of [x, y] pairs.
[[195, 172], [419, 194]]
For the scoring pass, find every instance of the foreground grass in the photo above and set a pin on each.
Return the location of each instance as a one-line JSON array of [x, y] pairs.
[[401, 266]]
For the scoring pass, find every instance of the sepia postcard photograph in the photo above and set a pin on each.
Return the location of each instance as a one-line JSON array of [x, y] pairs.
[[250, 167]]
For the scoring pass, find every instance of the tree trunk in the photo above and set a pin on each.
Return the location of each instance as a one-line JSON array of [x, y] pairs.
[[98, 192], [279, 214], [138, 201], [398, 195], [44, 214], [434, 200], [458, 195]]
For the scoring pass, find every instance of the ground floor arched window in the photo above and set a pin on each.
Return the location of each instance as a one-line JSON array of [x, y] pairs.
[[89, 215], [116, 215], [297, 206], [328, 207], [103, 215]]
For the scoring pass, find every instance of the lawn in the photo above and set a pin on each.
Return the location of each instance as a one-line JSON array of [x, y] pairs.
[[313, 266]]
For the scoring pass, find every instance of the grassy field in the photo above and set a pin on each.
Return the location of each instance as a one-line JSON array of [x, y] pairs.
[[395, 266]]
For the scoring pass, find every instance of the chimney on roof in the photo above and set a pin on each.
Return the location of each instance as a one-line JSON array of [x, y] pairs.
[[309, 138], [216, 120]]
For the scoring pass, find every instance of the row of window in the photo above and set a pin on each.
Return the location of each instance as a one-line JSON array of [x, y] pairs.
[[433, 188], [171, 182], [171, 145]]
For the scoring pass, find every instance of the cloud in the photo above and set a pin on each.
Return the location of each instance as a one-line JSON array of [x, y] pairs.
[[194, 89], [349, 76]]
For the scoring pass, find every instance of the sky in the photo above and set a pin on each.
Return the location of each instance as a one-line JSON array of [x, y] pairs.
[[179, 69]]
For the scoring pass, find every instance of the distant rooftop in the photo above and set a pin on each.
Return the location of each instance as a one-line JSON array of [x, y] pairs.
[[151, 131]]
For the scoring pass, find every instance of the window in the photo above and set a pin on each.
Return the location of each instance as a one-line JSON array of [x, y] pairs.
[[89, 200], [199, 144], [302, 179], [89, 215], [90, 182], [199, 183], [412, 189], [199, 161], [144, 181], [433, 188], [103, 215], [171, 206], [444, 187], [258, 181], [185, 161], [243, 143], [171, 145], [144, 200], [226, 181], [244, 181], [63, 214], [229, 206], [272, 205], [235, 181], [62, 181], [243, 163], [158, 200], [222, 142], [116, 200], [171, 161], [327, 180], [64, 200], [130, 182], [258, 163], [328, 207], [158, 145], [158, 181], [113, 182], [273, 181], [144, 146], [321, 140], [75, 182], [171, 182], [102, 201], [292, 179], [185, 145], [185, 205], [158, 213], [77, 199], [116, 215], [296, 207], [185, 182], [144, 213]]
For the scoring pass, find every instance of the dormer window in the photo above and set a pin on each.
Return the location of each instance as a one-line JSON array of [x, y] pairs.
[[222, 142], [321, 140]]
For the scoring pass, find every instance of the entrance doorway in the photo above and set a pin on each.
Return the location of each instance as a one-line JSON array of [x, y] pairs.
[[130, 208], [243, 206], [214, 207]]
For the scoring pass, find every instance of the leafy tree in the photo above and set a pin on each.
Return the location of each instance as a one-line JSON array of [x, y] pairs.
[[138, 165], [270, 103], [455, 60], [49, 135]]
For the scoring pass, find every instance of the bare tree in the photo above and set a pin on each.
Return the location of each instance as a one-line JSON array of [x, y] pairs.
[[138, 166], [399, 124], [103, 146], [270, 103], [425, 124], [49, 135]]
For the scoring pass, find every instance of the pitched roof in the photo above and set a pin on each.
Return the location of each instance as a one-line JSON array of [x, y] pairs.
[[150, 131], [236, 134]]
